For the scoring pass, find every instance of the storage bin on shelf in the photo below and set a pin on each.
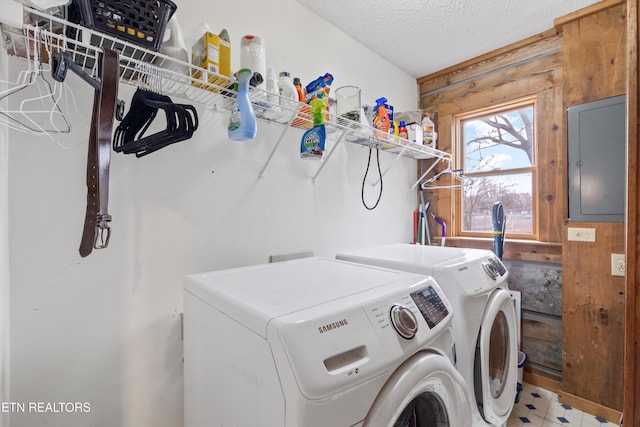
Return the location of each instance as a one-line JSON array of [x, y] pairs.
[[138, 21]]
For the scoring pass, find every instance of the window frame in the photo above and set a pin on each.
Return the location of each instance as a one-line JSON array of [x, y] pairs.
[[458, 155]]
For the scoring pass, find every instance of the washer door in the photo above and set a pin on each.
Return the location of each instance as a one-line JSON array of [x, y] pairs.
[[425, 391], [496, 359]]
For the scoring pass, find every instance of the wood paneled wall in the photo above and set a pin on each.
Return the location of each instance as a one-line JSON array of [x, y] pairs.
[[594, 51], [594, 67], [583, 59], [632, 294], [593, 323]]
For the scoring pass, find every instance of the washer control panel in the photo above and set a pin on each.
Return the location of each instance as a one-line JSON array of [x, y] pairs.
[[404, 312], [431, 306]]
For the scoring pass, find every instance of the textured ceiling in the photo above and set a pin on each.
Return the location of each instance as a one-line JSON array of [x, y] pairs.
[[424, 36]]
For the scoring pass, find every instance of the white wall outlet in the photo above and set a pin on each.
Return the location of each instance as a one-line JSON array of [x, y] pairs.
[[581, 234], [618, 265]]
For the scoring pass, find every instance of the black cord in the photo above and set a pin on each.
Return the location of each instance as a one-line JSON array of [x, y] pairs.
[[365, 178]]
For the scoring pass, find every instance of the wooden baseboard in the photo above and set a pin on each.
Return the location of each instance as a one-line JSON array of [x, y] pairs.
[[589, 407], [540, 379]]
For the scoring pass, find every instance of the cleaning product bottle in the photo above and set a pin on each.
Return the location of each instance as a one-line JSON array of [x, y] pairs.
[[242, 123], [287, 92], [381, 119], [192, 37], [415, 132], [299, 89], [175, 48], [428, 131], [402, 130], [273, 95], [272, 86], [253, 56], [313, 143]]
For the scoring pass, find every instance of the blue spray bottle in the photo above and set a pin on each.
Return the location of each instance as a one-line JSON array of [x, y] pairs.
[[314, 140], [242, 123]]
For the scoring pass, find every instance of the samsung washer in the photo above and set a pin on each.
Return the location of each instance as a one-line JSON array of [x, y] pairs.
[[485, 323], [320, 343]]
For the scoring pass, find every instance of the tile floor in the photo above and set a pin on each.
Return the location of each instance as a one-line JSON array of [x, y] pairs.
[[538, 407]]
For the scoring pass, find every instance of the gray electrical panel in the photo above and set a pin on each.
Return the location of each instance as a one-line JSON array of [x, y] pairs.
[[597, 160]]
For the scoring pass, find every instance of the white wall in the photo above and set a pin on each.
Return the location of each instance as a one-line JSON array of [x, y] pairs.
[[4, 255], [105, 329]]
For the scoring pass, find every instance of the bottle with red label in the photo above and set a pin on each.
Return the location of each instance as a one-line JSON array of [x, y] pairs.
[[402, 130]]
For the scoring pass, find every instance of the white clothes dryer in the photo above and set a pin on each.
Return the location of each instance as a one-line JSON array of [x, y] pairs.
[[319, 342], [485, 322]]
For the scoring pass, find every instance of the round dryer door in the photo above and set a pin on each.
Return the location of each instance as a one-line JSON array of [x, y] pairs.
[[496, 359], [427, 391]]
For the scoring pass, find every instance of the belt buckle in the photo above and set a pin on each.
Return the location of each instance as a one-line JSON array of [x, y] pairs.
[[103, 232]]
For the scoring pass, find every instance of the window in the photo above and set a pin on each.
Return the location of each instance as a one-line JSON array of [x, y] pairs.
[[496, 150]]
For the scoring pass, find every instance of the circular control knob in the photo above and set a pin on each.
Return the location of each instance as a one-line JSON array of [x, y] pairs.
[[491, 270], [404, 321]]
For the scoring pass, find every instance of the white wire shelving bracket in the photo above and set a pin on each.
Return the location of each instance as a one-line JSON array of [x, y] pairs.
[[140, 67]]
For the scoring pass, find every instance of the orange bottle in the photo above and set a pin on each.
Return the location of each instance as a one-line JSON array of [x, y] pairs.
[[381, 119], [301, 95]]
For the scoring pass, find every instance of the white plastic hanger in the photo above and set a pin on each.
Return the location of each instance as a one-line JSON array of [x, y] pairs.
[[458, 175], [40, 112]]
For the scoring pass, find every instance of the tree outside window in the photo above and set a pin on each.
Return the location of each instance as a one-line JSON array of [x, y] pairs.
[[497, 154]]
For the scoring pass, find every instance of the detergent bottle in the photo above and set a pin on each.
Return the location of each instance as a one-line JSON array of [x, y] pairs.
[[288, 92], [313, 143], [402, 130], [175, 48], [381, 122], [242, 123]]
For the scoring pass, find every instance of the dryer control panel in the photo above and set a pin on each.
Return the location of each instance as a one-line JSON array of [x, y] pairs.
[[494, 268]]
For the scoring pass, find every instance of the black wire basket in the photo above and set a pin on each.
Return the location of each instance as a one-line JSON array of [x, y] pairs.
[[138, 21]]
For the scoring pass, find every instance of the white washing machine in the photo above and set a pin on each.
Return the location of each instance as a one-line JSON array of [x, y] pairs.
[[484, 325], [319, 342]]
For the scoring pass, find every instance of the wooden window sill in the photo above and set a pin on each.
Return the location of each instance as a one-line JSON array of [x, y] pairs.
[[525, 250]]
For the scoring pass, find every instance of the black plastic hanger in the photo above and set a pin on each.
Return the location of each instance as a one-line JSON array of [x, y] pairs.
[[181, 123]]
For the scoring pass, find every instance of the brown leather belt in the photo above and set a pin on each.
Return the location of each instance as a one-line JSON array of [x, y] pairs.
[[96, 231]]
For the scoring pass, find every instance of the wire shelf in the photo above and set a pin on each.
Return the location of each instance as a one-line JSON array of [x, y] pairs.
[[140, 67]]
